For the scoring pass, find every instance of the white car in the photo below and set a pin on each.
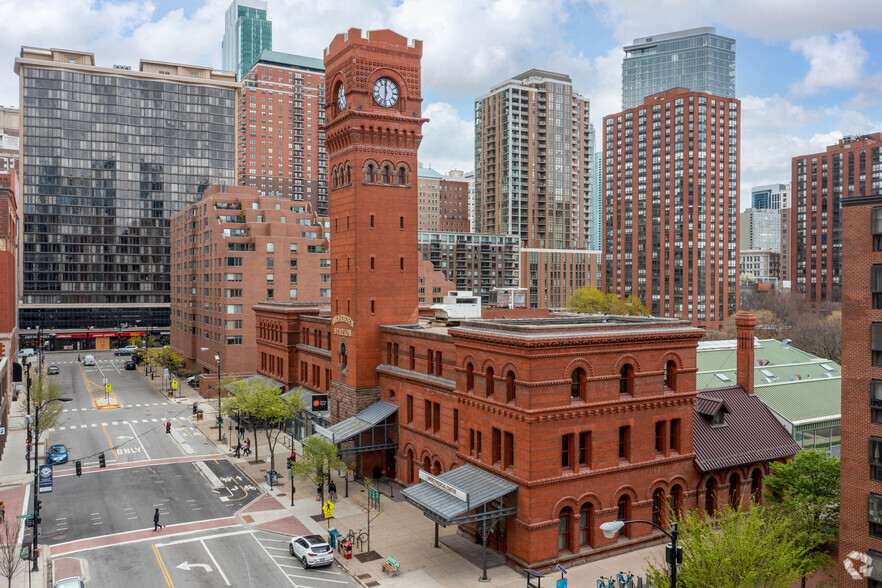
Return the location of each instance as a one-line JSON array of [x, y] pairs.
[[311, 550], [26, 352], [72, 582]]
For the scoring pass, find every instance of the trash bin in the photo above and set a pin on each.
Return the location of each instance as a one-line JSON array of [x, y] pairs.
[[347, 549], [199, 415], [171, 393], [332, 537], [272, 478]]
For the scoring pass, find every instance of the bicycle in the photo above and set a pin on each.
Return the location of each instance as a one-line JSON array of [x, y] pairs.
[[625, 579], [606, 582], [357, 538]]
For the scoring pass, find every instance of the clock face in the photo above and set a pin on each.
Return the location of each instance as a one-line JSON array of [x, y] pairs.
[[385, 92], [341, 97]]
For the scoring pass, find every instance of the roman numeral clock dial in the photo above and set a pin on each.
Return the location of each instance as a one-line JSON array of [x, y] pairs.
[[385, 92]]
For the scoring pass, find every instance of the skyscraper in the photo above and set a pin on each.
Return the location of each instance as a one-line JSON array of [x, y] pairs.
[[761, 230], [821, 182], [281, 143], [597, 202], [103, 171], [697, 60], [247, 32], [670, 182], [770, 197]]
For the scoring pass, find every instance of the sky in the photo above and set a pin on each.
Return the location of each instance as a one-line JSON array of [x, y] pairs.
[[807, 71]]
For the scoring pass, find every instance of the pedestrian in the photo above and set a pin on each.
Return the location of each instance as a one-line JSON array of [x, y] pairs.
[[246, 449], [332, 491], [238, 449], [78, 359], [241, 432], [156, 524], [2, 511]]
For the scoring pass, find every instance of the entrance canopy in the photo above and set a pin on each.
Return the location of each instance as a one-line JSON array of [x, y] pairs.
[[463, 495], [373, 428]]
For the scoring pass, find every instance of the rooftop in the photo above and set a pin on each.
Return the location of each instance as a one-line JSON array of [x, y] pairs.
[[270, 57]]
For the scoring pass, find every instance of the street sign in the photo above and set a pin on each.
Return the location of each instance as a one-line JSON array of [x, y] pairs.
[[374, 495], [26, 516], [2, 430], [107, 387], [328, 509], [174, 384], [45, 477], [319, 403]]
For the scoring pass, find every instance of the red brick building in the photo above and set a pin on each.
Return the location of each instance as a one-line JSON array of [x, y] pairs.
[[589, 419], [229, 251], [670, 183], [10, 370], [860, 517], [281, 149], [821, 183]]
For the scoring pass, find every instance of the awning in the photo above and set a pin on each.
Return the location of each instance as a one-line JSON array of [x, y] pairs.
[[374, 418], [462, 495]]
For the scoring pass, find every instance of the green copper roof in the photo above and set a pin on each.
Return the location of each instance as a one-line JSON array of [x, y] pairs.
[[428, 172], [290, 60], [794, 384]]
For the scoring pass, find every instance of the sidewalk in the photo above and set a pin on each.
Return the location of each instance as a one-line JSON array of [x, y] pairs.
[[400, 531]]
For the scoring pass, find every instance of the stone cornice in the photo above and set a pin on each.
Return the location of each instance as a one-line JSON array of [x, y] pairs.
[[434, 382], [310, 350], [560, 339]]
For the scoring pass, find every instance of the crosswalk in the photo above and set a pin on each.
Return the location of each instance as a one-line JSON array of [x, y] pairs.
[[146, 404], [183, 422]]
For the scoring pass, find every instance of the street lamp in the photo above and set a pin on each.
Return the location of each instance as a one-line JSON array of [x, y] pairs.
[[27, 365], [36, 515], [220, 436], [673, 554]]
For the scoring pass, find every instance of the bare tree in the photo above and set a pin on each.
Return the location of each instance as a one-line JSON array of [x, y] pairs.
[[370, 503], [10, 559]]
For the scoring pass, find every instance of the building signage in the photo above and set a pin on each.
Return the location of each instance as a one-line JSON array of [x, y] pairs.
[[320, 403], [71, 336], [453, 491], [45, 477], [340, 331]]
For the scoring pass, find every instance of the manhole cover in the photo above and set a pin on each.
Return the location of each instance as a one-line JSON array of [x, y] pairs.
[[363, 576], [372, 584]]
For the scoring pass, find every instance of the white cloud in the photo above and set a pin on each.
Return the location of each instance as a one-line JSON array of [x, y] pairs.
[[448, 140], [835, 61]]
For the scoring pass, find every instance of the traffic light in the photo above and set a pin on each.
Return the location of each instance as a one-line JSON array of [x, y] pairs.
[[195, 407], [101, 461], [291, 460], [168, 428], [79, 467], [30, 435]]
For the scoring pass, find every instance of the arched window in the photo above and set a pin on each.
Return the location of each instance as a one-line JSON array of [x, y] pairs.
[[369, 174], [401, 176], [427, 464], [437, 469], [348, 174], [624, 513], [489, 381], [586, 525], [470, 377], [735, 491], [658, 506], [509, 386], [385, 174], [710, 496], [577, 386], [626, 379], [676, 493], [563, 529], [671, 374], [344, 358], [756, 485], [410, 462]]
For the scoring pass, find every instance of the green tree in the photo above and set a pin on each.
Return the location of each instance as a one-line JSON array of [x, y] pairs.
[[806, 491], [136, 340], [750, 548], [43, 391], [319, 457], [163, 357], [259, 401], [592, 300]]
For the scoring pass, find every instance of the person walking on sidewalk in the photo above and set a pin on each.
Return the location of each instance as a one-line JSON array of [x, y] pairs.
[[156, 524], [238, 449], [246, 449], [332, 491]]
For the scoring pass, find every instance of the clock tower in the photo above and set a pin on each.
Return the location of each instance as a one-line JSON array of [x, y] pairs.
[[373, 108]]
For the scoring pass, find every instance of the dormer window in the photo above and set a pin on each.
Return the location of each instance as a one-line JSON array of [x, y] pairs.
[[719, 418]]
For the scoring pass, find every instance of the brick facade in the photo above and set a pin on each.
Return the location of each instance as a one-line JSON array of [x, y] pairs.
[[861, 253]]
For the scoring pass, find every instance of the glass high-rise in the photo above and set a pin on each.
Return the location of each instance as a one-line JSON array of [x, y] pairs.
[[697, 60], [247, 33], [109, 155]]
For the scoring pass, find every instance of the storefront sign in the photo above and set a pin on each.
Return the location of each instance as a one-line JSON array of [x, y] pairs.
[[320, 403], [71, 336], [453, 491]]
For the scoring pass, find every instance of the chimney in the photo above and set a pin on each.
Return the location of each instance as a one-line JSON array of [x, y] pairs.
[[745, 323]]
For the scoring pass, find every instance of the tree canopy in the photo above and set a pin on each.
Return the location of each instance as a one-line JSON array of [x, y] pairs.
[[43, 390], [592, 300], [319, 458]]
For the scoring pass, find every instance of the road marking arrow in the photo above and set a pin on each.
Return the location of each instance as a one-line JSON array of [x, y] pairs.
[[188, 566]]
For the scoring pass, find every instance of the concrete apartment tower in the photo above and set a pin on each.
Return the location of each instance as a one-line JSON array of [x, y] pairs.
[[281, 143], [670, 182], [533, 160], [821, 183], [247, 33], [698, 60], [103, 172]]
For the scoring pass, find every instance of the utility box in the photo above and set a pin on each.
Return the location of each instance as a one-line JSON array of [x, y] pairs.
[[347, 549]]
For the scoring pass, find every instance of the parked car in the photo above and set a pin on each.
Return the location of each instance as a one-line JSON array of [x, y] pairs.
[[72, 582], [89, 360], [53, 370], [26, 352], [130, 349], [194, 380], [311, 550], [57, 454], [130, 365]]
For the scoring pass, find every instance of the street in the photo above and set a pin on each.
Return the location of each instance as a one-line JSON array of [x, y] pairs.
[[100, 524]]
